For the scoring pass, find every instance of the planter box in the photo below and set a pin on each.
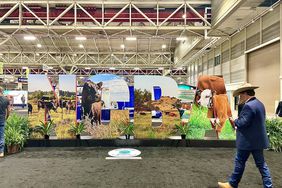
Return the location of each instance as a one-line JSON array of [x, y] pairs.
[[13, 149]]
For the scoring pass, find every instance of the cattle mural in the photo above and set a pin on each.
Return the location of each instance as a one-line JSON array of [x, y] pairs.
[[211, 93], [52, 99], [104, 100], [107, 103]]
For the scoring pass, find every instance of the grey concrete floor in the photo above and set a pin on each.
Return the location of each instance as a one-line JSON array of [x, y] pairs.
[[160, 167]]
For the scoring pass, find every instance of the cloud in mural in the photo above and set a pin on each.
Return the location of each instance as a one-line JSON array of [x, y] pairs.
[[168, 85], [116, 85], [38, 83]]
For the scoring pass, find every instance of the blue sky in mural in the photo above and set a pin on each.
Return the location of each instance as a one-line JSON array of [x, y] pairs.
[[114, 86], [168, 85], [103, 77], [67, 83], [38, 83]]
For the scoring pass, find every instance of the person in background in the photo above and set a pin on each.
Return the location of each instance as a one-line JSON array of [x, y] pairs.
[[23, 101], [251, 137], [279, 110], [4, 114]]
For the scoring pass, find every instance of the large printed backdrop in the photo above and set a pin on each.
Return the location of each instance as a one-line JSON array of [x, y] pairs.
[[108, 103]]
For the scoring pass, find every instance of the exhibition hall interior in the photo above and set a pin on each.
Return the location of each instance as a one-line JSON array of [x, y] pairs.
[[129, 93]]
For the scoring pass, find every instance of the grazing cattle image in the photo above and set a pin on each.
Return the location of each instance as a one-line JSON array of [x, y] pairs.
[[47, 97]]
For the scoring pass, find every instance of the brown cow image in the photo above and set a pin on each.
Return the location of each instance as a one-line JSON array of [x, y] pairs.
[[214, 83], [96, 108], [219, 108], [221, 111]]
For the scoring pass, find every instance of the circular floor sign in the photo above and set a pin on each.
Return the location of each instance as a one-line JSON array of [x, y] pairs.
[[124, 152]]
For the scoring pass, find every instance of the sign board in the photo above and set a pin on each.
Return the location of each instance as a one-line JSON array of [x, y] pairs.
[[20, 79]]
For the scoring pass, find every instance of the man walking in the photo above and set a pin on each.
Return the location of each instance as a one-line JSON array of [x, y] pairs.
[[4, 114], [251, 137]]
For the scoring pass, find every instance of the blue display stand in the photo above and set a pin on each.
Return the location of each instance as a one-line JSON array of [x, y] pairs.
[[157, 93], [79, 112], [106, 114]]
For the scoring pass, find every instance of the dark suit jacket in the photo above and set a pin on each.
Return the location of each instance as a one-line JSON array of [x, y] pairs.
[[251, 130], [279, 109]]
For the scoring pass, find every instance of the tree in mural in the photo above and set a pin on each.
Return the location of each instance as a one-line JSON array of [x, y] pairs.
[[142, 100]]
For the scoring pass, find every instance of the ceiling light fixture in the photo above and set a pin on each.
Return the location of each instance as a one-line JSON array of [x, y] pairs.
[[87, 68], [122, 46], [24, 68], [1, 54], [112, 68], [29, 37], [39, 45], [180, 38], [80, 38], [132, 38], [136, 68], [163, 46], [37, 54], [271, 9], [81, 46], [184, 16]]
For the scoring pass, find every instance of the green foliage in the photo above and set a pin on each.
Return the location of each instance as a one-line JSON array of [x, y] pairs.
[[77, 129], [227, 133], [128, 129], [274, 132], [151, 134], [198, 122], [45, 128], [21, 123], [183, 129], [14, 136], [16, 130]]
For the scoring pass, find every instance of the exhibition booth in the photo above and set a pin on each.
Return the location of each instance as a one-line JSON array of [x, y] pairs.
[[111, 110]]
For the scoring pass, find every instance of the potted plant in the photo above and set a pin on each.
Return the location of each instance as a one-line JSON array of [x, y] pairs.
[[16, 132], [183, 129], [77, 129], [274, 132], [128, 130], [14, 139], [45, 128]]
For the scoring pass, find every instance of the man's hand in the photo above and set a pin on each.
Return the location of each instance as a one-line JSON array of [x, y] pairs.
[[232, 122]]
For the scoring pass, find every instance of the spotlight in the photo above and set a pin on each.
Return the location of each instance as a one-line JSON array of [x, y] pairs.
[[39, 45], [29, 37], [180, 38], [131, 38], [80, 38]]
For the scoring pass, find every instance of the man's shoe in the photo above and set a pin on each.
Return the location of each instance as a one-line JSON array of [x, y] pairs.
[[224, 185], [2, 155]]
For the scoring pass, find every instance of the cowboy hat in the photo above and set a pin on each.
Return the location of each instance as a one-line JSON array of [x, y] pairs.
[[244, 87]]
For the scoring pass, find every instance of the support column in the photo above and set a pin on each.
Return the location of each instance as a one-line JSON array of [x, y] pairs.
[[280, 51]]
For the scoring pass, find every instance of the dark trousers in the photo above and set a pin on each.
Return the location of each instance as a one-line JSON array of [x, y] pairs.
[[240, 161]]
